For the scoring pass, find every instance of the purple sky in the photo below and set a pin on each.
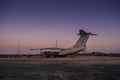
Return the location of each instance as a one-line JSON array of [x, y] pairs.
[[39, 23]]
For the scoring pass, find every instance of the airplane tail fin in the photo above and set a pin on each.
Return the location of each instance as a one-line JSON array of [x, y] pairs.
[[83, 38], [80, 45]]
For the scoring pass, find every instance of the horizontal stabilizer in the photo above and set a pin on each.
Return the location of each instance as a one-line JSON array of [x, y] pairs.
[[82, 32]]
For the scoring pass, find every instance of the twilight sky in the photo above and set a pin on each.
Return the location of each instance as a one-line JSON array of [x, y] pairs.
[[39, 23]]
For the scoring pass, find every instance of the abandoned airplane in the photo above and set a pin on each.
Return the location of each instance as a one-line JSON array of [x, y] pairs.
[[80, 45]]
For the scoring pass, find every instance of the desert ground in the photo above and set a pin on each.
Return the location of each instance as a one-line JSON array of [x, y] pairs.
[[80, 68]]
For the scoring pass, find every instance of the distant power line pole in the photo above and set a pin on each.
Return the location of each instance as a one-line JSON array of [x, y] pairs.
[[18, 48], [56, 43]]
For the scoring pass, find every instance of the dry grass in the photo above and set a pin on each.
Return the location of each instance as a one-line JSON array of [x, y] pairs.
[[53, 69]]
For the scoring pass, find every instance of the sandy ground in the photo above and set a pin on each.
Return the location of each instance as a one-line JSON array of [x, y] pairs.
[[81, 68], [81, 59]]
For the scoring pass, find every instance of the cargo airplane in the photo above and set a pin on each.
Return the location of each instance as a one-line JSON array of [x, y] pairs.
[[80, 45]]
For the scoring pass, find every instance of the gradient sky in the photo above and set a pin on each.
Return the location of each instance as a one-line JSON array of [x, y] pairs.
[[39, 23]]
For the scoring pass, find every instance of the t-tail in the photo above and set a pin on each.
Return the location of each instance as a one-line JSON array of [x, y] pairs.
[[80, 45], [83, 38]]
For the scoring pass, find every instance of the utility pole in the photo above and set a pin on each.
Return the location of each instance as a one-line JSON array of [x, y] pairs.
[[18, 48], [56, 44]]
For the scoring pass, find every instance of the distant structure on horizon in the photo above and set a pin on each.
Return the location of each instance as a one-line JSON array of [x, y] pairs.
[[18, 48]]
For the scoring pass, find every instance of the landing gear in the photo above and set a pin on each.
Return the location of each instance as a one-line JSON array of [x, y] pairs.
[[50, 55]]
